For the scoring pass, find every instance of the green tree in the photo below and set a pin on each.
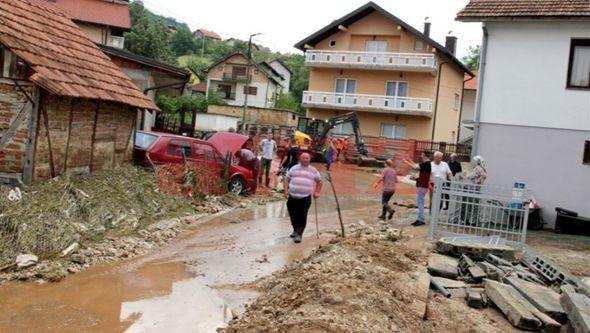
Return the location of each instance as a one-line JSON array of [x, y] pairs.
[[471, 60], [288, 102], [182, 42], [198, 66], [149, 35], [300, 77]]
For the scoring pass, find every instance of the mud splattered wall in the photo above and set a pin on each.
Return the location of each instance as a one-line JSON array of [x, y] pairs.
[[79, 135]]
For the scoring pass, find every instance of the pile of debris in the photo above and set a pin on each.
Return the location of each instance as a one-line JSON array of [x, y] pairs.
[[370, 281], [532, 292], [69, 223]]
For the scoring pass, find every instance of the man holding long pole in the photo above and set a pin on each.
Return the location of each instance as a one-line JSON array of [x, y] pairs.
[[302, 182]]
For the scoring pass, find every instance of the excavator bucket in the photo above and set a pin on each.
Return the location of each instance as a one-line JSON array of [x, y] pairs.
[[365, 161]]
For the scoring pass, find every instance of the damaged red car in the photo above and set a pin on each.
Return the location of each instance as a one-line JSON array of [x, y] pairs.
[[164, 148]]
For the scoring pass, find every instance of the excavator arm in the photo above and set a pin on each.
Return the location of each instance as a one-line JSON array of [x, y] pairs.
[[351, 117]]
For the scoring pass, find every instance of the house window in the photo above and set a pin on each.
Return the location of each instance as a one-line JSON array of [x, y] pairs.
[[418, 45], [251, 90], [393, 131], [345, 86], [376, 46], [396, 89], [224, 91], [586, 159], [456, 102], [332, 43], [238, 71], [579, 64]]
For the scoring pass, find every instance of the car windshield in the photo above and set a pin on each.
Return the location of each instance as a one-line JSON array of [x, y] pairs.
[[144, 140]]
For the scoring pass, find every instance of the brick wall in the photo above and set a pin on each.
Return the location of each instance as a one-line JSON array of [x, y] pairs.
[[12, 102], [113, 138]]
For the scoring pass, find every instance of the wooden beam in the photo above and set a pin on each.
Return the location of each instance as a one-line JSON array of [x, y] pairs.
[[20, 117], [69, 134], [342, 28], [46, 122], [93, 136], [29, 166], [307, 47]]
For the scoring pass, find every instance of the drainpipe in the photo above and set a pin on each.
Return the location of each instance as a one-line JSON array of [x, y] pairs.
[[436, 98], [480, 81], [461, 107]]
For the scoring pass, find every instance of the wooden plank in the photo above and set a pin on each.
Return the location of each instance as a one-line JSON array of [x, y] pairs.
[[32, 140], [70, 120], [93, 136], [20, 117], [46, 122]]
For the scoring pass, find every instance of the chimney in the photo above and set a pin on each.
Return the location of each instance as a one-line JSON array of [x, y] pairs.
[[451, 44], [427, 29]]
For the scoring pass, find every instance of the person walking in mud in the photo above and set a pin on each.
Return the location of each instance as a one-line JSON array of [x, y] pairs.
[[388, 178], [331, 153], [268, 147], [301, 183]]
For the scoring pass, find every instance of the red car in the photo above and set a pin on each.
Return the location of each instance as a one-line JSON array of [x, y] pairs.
[[164, 148]]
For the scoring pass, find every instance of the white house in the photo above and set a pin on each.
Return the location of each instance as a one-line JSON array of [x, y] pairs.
[[532, 115], [232, 80], [284, 71]]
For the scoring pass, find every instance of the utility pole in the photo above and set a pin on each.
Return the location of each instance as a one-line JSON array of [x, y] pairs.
[[247, 88]]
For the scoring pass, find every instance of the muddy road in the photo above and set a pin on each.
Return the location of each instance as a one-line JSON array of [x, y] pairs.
[[192, 284]]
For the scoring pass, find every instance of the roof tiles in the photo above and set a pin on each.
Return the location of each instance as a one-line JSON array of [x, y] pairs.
[[64, 60], [496, 9]]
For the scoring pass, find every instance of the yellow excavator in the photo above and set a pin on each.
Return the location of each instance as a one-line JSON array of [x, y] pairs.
[[312, 133]]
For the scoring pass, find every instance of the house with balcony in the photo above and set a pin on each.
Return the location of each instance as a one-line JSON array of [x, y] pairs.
[[402, 83], [103, 21], [232, 80]]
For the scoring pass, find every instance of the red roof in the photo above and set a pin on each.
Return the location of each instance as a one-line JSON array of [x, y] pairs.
[[496, 9], [209, 33], [65, 62], [97, 11], [471, 84], [200, 87]]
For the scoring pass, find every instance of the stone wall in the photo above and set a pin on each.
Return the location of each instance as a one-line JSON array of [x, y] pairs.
[[12, 102], [113, 142], [255, 115]]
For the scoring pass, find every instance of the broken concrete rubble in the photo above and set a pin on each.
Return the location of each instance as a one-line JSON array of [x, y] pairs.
[[577, 308], [543, 298], [502, 295], [468, 267], [492, 272], [439, 265], [476, 298], [475, 250], [493, 259]]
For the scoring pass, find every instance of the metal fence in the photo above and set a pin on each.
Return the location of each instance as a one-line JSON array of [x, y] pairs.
[[479, 211]]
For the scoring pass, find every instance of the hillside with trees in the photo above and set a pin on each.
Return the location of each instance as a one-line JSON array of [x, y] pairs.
[[151, 36]]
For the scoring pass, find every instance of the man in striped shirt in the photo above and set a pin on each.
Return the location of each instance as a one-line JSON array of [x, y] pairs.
[[302, 181]]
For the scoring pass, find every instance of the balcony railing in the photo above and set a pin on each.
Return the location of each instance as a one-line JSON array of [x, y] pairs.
[[117, 42], [372, 60], [375, 103], [233, 77]]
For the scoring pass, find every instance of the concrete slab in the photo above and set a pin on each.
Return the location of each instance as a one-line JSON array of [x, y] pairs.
[[502, 295], [495, 260], [476, 251], [543, 298], [548, 324], [440, 265], [492, 272], [577, 308], [450, 284]]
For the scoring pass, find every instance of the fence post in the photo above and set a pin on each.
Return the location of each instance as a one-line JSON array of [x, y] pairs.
[[435, 207]]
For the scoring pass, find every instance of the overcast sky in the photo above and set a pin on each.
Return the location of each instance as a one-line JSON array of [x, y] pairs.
[[285, 22]]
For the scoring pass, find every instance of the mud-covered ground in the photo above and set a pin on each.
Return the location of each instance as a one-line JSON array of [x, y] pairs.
[[370, 281]]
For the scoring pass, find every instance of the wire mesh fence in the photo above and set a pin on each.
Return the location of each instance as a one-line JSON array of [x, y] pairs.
[[53, 214], [479, 211]]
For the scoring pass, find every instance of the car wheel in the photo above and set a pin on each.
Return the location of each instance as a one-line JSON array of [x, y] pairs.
[[236, 186]]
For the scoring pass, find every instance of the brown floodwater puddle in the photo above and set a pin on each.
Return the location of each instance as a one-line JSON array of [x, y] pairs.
[[190, 285]]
